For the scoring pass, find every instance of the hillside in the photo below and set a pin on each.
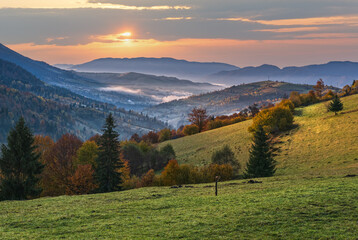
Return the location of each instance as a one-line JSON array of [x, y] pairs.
[[54, 111], [277, 208], [312, 196], [107, 88], [322, 144], [335, 73], [157, 66], [226, 101], [145, 90]]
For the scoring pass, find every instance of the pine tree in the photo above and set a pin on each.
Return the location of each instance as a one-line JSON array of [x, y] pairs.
[[108, 162], [261, 162], [336, 105], [19, 165]]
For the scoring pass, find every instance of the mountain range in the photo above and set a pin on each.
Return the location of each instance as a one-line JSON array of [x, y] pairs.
[[52, 110], [336, 73], [130, 91], [155, 66]]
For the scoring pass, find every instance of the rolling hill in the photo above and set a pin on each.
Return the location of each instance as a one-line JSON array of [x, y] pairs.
[[130, 91], [156, 66], [322, 144], [335, 73], [148, 89], [313, 194], [226, 101], [53, 111]]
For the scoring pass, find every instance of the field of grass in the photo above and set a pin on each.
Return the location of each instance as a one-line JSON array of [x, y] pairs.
[[322, 144], [277, 208], [310, 197]]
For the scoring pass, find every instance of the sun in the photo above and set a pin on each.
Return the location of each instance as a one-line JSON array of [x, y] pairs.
[[125, 34]]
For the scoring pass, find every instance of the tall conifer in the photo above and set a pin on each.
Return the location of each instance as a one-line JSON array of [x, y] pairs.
[[261, 162], [19, 165], [108, 162], [336, 105]]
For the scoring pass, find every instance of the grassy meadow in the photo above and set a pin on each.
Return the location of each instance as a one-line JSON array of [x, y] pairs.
[[310, 197], [321, 144], [277, 208]]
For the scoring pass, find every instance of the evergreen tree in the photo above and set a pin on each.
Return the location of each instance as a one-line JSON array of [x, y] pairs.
[[336, 105], [108, 162], [261, 162], [19, 165]]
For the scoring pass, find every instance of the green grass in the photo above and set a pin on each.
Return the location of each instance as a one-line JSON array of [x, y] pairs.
[[322, 144], [277, 208], [309, 198]]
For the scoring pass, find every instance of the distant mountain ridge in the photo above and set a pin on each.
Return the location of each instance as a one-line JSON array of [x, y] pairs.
[[51, 110], [335, 73], [106, 87], [157, 66]]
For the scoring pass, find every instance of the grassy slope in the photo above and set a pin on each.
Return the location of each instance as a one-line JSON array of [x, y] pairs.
[[287, 206], [322, 144], [316, 208]]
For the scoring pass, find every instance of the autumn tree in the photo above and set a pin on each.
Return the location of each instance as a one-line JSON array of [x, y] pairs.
[[44, 147], [199, 118], [319, 87], [135, 138], [87, 154], [261, 162], [108, 163], [190, 130], [60, 165], [254, 109], [335, 105], [82, 181], [164, 135], [19, 165]]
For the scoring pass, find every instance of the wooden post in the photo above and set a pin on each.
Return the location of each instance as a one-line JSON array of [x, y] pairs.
[[216, 185]]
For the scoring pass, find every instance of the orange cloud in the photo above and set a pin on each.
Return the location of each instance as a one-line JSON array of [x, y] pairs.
[[241, 53], [70, 4], [288, 30], [301, 21]]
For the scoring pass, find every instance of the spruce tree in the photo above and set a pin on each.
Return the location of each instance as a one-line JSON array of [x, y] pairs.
[[19, 165], [261, 162], [336, 105], [108, 162]]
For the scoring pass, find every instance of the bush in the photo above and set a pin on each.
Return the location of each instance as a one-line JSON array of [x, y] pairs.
[[190, 130], [164, 135], [278, 118], [287, 103], [225, 156], [174, 174]]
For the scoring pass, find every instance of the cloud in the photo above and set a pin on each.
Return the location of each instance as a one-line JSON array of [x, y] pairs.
[[237, 52], [288, 30], [177, 18], [68, 4], [333, 20]]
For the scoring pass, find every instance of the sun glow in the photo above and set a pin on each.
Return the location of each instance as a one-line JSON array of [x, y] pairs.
[[118, 37], [125, 34]]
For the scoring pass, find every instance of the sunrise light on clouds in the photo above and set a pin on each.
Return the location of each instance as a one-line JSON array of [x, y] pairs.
[[240, 33]]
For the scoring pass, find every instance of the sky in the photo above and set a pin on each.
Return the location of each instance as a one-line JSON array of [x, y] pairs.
[[243, 33]]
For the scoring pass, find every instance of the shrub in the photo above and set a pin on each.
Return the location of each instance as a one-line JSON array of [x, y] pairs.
[[170, 174], [190, 130], [164, 135], [274, 119], [225, 156]]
